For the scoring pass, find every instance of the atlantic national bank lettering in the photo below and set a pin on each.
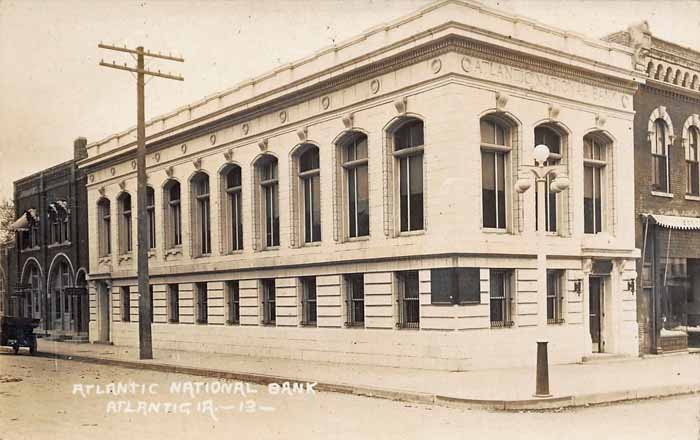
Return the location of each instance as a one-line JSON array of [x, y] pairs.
[[542, 82]]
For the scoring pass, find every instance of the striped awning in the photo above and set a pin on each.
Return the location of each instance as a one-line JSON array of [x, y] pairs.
[[676, 222]]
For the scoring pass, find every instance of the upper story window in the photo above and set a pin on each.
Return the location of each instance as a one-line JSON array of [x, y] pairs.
[[59, 222], [269, 211], [355, 179], [232, 220], [104, 228], [495, 155], [151, 215], [310, 182], [660, 143], [408, 153], [692, 158], [201, 215], [173, 218], [548, 136], [595, 154], [124, 229]]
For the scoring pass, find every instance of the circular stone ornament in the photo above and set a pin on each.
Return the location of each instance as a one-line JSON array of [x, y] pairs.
[[374, 86]]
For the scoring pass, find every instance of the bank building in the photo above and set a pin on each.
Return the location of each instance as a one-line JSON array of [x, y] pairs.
[[375, 202]]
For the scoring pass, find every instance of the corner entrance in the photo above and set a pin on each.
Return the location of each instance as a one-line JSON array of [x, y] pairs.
[[596, 298]]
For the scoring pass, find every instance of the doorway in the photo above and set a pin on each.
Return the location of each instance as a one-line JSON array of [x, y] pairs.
[[103, 300], [596, 298]]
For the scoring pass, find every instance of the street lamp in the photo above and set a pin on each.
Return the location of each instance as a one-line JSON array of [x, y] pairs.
[[559, 182]]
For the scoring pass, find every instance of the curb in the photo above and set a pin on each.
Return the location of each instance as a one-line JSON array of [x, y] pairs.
[[552, 403]]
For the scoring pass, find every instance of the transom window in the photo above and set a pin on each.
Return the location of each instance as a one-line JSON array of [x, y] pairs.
[[355, 166], [692, 158], [173, 214], [233, 208], [125, 231], [104, 228], [408, 152], [201, 214], [659, 157], [310, 177], [594, 183], [495, 149], [269, 188], [547, 136], [151, 215]]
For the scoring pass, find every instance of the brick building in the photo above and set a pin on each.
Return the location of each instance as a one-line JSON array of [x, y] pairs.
[[51, 253], [667, 188], [358, 205]]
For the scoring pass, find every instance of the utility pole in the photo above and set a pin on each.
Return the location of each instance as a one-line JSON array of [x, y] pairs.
[[145, 312]]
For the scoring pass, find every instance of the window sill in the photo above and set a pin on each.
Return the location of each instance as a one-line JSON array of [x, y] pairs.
[[151, 253], [411, 233], [233, 323], [559, 321], [105, 260], [269, 324], [235, 252], [662, 194], [691, 197], [67, 243], [495, 231], [173, 251], [309, 324], [31, 249], [354, 239], [312, 244], [270, 249], [124, 257], [354, 325], [201, 256]]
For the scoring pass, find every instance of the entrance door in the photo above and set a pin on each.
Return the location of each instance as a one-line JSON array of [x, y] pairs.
[[103, 299], [595, 298]]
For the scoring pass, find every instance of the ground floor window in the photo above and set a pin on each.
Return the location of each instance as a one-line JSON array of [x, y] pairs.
[[269, 315], [501, 298], [173, 303], [201, 303], [308, 301], [555, 297], [355, 300], [126, 303], [408, 299], [233, 303]]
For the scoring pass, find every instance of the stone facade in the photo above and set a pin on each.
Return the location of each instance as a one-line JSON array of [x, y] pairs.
[[430, 68], [51, 256]]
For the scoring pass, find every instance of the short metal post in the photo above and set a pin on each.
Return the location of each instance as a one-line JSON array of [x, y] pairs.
[[542, 386]]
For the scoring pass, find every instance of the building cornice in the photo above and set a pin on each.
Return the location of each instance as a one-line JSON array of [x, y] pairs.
[[450, 43]]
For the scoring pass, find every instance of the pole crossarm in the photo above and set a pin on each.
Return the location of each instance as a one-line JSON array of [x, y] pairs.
[[144, 53], [145, 72]]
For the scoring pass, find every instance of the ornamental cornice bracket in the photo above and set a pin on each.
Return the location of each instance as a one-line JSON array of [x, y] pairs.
[[587, 266], [122, 185], [228, 155], [401, 105], [554, 111], [169, 171], [197, 163], [303, 134], [501, 100], [101, 190], [600, 120], [348, 120], [263, 144]]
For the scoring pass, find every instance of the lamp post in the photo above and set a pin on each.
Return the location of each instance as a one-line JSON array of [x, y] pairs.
[[559, 182]]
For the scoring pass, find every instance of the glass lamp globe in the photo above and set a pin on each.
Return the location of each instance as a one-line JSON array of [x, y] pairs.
[[541, 153]]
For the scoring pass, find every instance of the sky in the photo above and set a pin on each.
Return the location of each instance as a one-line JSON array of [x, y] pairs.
[[53, 91]]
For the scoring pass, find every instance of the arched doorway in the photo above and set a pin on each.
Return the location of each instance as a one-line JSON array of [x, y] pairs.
[[60, 307], [28, 298]]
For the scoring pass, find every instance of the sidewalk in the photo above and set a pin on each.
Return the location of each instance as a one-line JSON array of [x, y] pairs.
[[498, 389]]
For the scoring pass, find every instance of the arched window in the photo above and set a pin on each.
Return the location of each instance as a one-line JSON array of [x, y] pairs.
[[58, 222], [495, 152], [692, 157], [595, 188], [546, 135], [232, 221], [659, 157], [201, 214], [269, 212], [310, 185], [173, 220], [104, 228], [408, 154], [354, 163], [151, 215], [124, 227]]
